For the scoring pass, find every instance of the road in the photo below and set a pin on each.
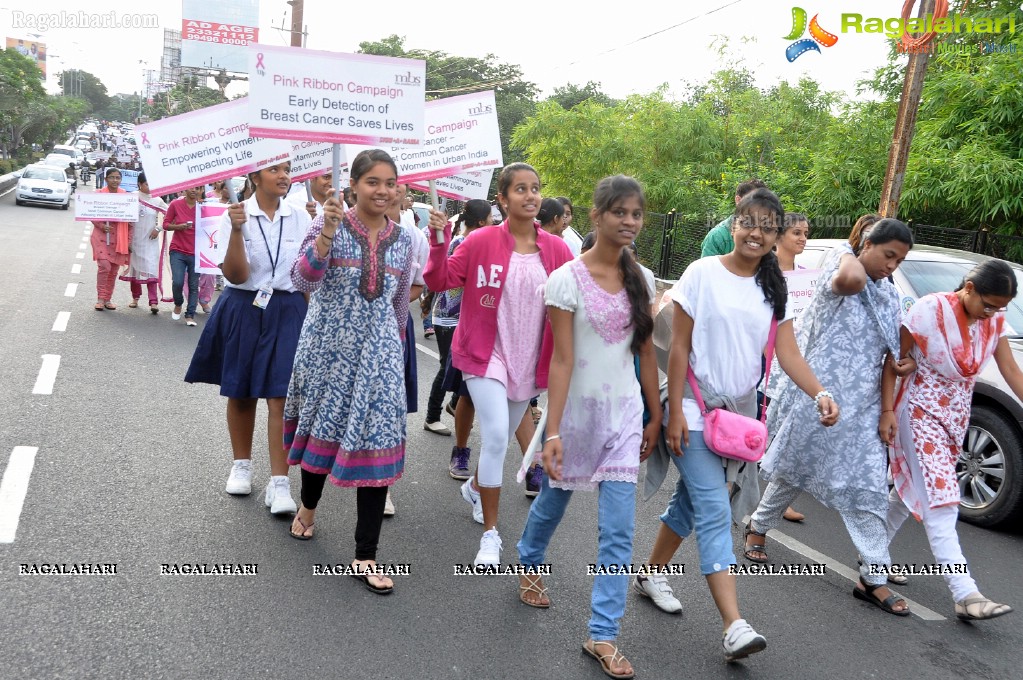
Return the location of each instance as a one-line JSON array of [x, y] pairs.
[[129, 469]]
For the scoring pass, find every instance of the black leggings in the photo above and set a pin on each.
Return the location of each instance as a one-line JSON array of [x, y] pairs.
[[369, 504]]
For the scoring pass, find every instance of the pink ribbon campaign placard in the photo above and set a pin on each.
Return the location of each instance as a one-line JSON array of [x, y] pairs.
[[462, 134], [462, 187], [97, 207], [204, 146], [319, 96], [210, 244], [312, 159]]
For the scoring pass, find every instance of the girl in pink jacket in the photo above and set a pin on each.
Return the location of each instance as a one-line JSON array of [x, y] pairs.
[[503, 342]]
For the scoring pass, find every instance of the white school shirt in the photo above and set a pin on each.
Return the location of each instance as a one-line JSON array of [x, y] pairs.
[[731, 325], [420, 254], [261, 237]]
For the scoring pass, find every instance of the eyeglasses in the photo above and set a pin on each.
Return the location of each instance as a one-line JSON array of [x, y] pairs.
[[746, 224], [991, 309]]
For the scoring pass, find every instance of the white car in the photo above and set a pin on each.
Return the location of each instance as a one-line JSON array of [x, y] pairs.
[[43, 185]]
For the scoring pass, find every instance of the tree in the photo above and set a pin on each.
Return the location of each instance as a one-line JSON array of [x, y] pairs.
[[570, 95], [20, 87], [188, 95], [78, 83], [448, 76]]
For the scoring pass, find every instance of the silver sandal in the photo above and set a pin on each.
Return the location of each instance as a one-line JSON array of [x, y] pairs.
[[982, 608]]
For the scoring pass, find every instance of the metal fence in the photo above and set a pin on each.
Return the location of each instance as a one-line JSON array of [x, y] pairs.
[[669, 242]]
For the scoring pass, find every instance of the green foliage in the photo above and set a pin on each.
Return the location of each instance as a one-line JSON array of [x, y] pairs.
[[78, 83], [570, 95]]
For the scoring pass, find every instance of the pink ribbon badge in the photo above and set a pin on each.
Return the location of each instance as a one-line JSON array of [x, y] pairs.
[[145, 138], [259, 60]]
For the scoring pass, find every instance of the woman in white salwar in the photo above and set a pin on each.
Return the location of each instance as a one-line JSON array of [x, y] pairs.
[[144, 265]]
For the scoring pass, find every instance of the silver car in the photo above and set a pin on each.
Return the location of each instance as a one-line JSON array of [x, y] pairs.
[[990, 467]]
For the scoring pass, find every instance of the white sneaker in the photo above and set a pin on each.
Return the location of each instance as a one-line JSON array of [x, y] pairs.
[[437, 428], [655, 586], [740, 640], [240, 481], [278, 496], [388, 506], [490, 550], [472, 497]]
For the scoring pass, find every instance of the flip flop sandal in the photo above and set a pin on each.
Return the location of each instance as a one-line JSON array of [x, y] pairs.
[[533, 585], [887, 604], [607, 659], [154, 309], [988, 609], [98, 307], [133, 304], [110, 305], [364, 578], [301, 536], [761, 547]]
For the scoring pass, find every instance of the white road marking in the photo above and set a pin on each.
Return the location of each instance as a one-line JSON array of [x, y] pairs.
[[81, 246], [79, 256], [13, 488], [71, 289], [76, 269], [427, 351], [47, 374], [61, 323], [837, 567]]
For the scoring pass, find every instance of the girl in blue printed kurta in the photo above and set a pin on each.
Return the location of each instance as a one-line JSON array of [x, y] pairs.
[[345, 413], [595, 434]]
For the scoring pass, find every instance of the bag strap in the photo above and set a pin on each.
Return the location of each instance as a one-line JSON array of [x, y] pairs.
[[767, 371], [770, 356]]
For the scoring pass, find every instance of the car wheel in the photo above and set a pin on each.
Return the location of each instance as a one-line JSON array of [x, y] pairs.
[[990, 470], [18, 201], [64, 207]]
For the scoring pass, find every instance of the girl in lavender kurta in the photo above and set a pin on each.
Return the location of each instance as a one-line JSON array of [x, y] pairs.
[[600, 310]]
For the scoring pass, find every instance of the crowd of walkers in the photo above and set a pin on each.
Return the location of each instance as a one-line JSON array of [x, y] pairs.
[[314, 319]]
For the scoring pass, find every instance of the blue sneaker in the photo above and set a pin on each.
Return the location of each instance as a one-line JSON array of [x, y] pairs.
[[534, 480], [458, 468]]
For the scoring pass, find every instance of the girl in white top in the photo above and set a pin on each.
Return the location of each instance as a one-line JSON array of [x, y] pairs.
[[723, 307], [144, 265], [249, 342]]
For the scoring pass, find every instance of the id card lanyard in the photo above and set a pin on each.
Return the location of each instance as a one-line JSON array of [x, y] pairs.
[[264, 293]]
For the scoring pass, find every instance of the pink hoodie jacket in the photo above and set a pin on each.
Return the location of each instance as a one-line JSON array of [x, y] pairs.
[[479, 265]]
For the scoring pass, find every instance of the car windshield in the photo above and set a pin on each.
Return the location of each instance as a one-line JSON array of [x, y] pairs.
[[932, 277], [41, 173]]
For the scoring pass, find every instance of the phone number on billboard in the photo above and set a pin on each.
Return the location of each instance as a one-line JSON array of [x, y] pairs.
[[219, 40]]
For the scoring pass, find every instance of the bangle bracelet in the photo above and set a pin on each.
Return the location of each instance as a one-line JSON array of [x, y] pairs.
[[552, 438], [887, 410], [820, 395]]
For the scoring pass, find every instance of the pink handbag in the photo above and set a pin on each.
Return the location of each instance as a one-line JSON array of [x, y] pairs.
[[733, 435]]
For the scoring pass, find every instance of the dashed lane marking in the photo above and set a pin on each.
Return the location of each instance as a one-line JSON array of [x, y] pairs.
[[427, 351], [79, 256], [60, 325], [13, 488], [47, 374], [71, 289], [76, 269]]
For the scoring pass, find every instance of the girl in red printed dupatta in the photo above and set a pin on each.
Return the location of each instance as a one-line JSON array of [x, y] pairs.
[[950, 336]]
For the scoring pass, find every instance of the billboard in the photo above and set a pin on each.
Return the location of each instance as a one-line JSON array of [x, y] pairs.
[[32, 49], [217, 34]]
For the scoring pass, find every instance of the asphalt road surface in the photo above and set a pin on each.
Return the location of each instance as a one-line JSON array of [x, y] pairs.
[[120, 462]]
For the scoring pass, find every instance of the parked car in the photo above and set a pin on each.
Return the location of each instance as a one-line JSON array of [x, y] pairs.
[[76, 154], [43, 185], [990, 467]]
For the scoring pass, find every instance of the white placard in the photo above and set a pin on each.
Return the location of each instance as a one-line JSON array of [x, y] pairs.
[[312, 159], [204, 146], [210, 245], [462, 187], [801, 284], [296, 93], [106, 207], [461, 134]]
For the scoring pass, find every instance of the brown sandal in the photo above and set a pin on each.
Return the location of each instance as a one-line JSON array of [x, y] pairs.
[[301, 536], [606, 660], [109, 305], [534, 584], [133, 304]]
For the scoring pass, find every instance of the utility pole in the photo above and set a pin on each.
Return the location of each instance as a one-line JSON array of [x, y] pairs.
[[905, 123], [297, 34]]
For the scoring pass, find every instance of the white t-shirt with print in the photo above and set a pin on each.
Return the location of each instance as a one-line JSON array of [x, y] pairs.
[[731, 325]]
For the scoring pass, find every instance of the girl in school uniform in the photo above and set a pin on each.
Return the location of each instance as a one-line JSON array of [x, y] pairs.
[[502, 343], [248, 345], [601, 316]]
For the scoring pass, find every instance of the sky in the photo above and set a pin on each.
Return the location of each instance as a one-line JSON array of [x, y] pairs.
[[631, 47]]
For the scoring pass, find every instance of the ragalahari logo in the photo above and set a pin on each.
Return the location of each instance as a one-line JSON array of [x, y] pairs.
[[804, 45]]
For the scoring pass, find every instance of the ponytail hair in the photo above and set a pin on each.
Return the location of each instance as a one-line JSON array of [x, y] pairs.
[[611, 191], [476, 213], [550, 210], [768, 275], [992, 277]]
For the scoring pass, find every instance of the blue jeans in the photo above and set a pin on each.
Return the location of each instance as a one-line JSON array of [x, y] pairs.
[[700, 503], [616, 513], [180, 265]]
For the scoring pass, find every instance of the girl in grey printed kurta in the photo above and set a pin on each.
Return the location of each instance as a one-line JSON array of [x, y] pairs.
[[847, 333]]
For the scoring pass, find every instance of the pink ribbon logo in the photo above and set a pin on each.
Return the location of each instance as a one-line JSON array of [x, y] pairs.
[[145, 139], [259, 62]]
